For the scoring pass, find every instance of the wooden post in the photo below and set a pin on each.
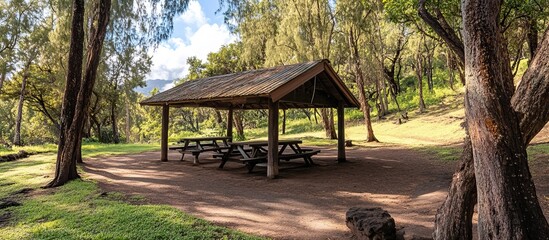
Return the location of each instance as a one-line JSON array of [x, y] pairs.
[[341, 133], [272, 157], [230, 124], [164, 138]]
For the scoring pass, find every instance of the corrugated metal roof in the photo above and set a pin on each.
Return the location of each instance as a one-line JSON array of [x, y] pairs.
[[252, 83]]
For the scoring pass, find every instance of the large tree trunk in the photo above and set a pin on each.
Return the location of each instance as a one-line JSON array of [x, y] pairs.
[[530, 102], [65, 168], [76, 104], [508, 204]]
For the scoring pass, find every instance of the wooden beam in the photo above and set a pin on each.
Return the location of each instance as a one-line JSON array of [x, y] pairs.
[[272, 157], [164, 137], [230, 124], [341, 132], [288, 87]]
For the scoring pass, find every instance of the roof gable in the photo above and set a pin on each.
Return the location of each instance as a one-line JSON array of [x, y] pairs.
[[226, 90]]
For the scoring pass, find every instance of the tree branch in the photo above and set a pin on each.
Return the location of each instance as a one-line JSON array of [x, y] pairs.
[[443, 30]]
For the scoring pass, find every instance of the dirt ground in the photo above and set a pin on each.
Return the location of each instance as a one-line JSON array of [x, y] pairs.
[[305, 202]]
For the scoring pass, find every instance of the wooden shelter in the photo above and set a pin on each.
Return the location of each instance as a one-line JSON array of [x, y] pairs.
[[305, 85]]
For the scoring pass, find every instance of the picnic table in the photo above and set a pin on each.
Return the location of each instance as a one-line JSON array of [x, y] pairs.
[[257, 153], [198, 145]]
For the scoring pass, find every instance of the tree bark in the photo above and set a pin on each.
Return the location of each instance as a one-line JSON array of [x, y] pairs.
[[76, 105], [453, 219], [2, 79], [239, 124], [328, 123], [507, 200], [65, 168], [19, 118]]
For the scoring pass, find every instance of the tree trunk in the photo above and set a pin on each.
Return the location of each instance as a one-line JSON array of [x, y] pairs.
[[65, 168], [2, 79], [19, 118], [419, 74], [128, 122], [529, 101], [532, 35], [114, 124], [239, 124], [453, 220], [328, 123], [508, 204], [359, 79], [77, 92], [450, 65]]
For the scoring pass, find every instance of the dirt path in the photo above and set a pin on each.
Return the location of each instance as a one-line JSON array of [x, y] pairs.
[[304, 203]]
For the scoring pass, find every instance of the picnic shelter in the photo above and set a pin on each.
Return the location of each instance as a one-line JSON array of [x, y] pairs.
[[312, 84]]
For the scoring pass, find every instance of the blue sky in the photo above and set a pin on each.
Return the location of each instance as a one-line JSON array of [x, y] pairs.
[[196, 32]]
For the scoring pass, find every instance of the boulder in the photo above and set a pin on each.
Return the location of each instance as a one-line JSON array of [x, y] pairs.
[[371, 223]]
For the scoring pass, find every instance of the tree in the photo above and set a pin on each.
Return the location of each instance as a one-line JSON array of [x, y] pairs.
[[353, 20], [453, 220], [507, 200], [76, 97]]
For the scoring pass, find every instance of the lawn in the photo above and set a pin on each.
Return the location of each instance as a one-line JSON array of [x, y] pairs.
[[79, 210]]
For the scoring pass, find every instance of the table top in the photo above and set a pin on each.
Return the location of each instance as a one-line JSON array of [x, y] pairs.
[[265, 143], [204, 138]]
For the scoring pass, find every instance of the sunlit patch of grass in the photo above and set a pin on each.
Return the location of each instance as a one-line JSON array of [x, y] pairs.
[[538, 150], [30, 149], [95, 149], [77, 211], [444, 153]]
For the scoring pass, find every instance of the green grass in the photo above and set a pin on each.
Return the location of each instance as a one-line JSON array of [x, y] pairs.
[[447, 153], [78, 211], [453, 152], [30, 149], [538, 150]]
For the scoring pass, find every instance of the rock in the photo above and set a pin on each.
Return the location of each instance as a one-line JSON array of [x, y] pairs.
[[23, 154], [371, 223], [348, 143], [8, 203]]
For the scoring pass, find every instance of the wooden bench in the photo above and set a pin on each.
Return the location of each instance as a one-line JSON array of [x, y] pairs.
[[196, 152], [306, 155]]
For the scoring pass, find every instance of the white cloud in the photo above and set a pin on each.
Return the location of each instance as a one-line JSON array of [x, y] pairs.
[[194, 15], [170, 58]]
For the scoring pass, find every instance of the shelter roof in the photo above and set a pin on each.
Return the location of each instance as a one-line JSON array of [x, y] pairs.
[[303, 85]]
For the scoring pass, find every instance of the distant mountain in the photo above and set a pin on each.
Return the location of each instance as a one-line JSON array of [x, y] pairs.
[[161, 84]]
